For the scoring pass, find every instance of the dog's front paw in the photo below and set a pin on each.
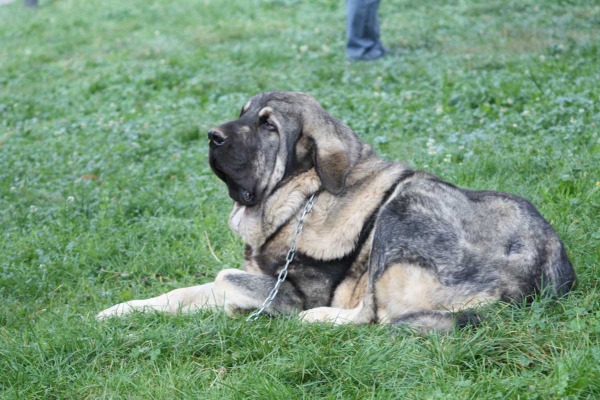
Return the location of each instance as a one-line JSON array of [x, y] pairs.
[[114, 311], [320, 314], [332, 315]]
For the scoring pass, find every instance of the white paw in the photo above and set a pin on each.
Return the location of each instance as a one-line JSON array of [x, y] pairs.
[[320, 314], [114, 311]]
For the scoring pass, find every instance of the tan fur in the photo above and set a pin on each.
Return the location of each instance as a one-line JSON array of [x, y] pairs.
[[406, 288], [351, 291], [255, 224], [210, 296], [178, 300], [334, 315], [265, 111], [246, 106], [252, 267], [340, 219], [279, 169], [401, 290], [232, 299]]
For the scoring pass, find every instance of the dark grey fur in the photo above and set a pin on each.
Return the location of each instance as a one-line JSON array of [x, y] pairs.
[[477, 243]]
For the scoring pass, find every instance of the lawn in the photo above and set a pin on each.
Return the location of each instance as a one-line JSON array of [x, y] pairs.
[[106, 194]]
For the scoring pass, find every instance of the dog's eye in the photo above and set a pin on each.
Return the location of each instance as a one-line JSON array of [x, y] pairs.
[[268, 126]]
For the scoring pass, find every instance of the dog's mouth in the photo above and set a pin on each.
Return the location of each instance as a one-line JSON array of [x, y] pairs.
[[241, 195], [237, 192]]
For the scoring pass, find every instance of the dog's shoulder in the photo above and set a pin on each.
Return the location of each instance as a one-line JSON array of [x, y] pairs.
[[339, 221]]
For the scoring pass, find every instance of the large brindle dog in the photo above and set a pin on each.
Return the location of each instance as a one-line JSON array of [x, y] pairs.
[[384, 243]]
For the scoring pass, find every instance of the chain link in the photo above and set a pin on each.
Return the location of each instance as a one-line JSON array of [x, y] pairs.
[[288, 260]]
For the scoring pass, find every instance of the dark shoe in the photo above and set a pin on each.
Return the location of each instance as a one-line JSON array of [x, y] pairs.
[[374, 54]]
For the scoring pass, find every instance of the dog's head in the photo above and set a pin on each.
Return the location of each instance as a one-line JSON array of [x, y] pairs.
[[277, 135]]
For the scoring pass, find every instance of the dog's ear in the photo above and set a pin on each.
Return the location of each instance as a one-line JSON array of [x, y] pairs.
[[336, 147]]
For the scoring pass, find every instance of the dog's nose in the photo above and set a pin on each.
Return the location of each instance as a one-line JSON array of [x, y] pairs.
[[216, 137]]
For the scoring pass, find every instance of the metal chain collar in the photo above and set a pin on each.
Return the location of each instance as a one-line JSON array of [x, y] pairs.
[[288, 260]]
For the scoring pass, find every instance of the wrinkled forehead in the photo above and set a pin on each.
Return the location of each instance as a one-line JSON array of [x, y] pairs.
[[282, 103]]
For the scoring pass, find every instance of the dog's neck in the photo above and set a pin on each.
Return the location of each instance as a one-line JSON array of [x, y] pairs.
[[256, 224]]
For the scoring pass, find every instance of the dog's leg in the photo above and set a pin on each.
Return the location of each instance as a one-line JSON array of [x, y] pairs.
[[178, 300], [232, 290], [334, 315], [245, 291]]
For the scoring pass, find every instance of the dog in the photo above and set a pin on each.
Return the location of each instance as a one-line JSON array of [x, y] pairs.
[[384, 243]]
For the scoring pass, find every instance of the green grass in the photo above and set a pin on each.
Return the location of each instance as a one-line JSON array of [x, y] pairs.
[[106, 195]]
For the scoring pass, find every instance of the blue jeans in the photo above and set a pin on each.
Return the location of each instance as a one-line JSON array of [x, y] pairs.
[[362, 29]]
